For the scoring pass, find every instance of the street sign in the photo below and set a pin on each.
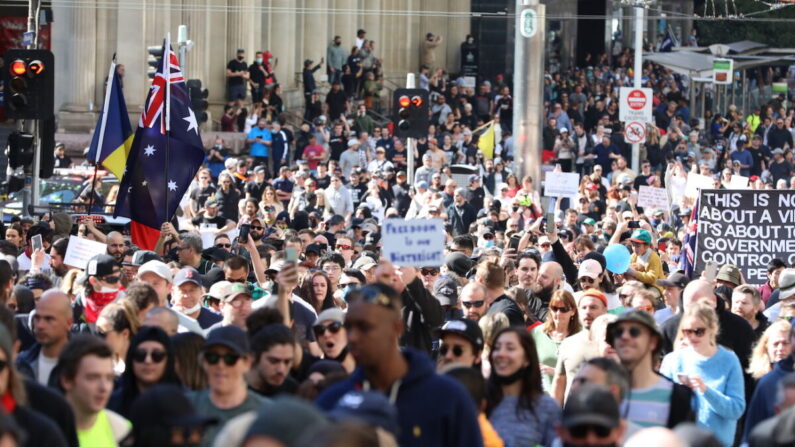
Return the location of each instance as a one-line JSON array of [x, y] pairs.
[[635, 104], [529, 23], [635, 132], [722, 71]]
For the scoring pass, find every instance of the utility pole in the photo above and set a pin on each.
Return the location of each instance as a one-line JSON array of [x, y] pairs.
[[411, 143], [639, 12], [32, 38], [528, 79]]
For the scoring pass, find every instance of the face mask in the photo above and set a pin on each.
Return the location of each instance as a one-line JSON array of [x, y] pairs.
[[192, 310], [105, 289], [218, 146], [240, 58], [489, 244], [259, 61], [508, 380]]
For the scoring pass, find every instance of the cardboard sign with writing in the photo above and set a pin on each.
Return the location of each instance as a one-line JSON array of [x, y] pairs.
[[413, 242], [80, 250], [561, 184], [697, 182], [650, 197]]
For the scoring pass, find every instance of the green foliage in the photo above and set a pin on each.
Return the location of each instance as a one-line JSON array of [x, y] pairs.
[[727, 31]]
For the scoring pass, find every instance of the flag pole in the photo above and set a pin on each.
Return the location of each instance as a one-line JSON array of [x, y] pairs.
[[167, 74], [102, 126]]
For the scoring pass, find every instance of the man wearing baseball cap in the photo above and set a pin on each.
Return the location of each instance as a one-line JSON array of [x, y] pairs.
[[235, 306], [645, 264], [225, 358], [461, 343], [672, 294], [187, 293], [591, 418], [638, 341]]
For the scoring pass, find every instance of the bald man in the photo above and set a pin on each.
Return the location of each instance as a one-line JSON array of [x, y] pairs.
[[735, 333], [52, 322], [164, 318], [550, 277], [116, 246]]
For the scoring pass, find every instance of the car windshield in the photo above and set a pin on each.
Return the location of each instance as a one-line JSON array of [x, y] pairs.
[[53, 191]]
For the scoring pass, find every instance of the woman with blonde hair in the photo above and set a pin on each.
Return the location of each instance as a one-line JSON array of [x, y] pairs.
[[269, 199], [490, 324], [711, 371], [562, 321], [117, 324], [773, 346]]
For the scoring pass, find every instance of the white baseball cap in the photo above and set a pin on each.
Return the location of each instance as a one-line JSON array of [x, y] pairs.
[[159, 268]]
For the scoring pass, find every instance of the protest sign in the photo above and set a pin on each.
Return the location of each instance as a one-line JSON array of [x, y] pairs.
[[746, 228], [561, 184], [414, 242], [696, 182], [650, 197], [738, 182], [80, 250]]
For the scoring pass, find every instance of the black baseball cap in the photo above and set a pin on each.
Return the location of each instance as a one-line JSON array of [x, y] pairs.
[[141, 257], [591, 404], [101, 265], [231, 337], [675, 279], [466, 328]]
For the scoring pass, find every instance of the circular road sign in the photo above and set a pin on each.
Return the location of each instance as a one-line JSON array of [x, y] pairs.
[[636, 99], [635, 132]]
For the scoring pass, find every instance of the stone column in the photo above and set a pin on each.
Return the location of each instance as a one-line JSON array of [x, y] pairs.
[[457, 30], [80, 45], [315, 33], [282, 43], [344, 22]]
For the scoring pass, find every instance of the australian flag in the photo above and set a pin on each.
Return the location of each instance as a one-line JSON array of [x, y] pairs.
[[688, 260], [166, 153]]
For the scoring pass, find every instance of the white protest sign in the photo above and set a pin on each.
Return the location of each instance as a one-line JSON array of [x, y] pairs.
[[413, 242], [738, 182], [697, 182], [80, 250], [635, 104], [207, 232], [650, 197], [561, 184]]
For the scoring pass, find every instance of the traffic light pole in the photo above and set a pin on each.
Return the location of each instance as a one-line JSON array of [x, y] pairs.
[[33, 10], [411, 143]]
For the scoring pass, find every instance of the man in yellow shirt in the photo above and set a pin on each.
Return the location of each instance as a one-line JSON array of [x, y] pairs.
[[86, 366], [644, 264]]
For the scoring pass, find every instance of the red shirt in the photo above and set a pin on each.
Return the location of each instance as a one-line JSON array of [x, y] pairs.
[[313, 151]]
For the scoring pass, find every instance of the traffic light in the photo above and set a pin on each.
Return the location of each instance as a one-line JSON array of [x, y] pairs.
[[47, 147], [20, 149], [153, 60], [410, 112], [29, 83], [198, 99]]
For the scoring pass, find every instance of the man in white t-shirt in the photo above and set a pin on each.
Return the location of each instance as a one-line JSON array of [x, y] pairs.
[[52, 321]]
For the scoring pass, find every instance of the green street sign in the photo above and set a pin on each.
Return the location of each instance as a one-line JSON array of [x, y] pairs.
[[528, 23]]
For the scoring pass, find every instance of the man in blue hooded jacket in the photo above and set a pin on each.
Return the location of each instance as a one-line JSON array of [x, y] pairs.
[[764, 398], [433, 410]]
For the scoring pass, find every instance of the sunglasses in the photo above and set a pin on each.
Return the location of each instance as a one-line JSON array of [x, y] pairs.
[[633, 331], [563, 309], [469, 304], [426, 272], [333, 328], [111, 279], [581, 431], [648, 309], [545, 245], [488, 236], [587, 279], [343, 247], [213, 358], [269, 209], [257, 228], [786, 317], [157, 355], [697, 332], [223, 245], [458, 351]]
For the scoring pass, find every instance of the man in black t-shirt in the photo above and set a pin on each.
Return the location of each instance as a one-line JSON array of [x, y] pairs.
[[255, 187], [236, 77], [209, 216], [338, 141], [256, 77], [200, 194], [336, 101]]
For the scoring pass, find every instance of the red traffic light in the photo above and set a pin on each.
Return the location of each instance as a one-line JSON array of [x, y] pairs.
[[36, 67], [404, 101], [416, 101], [18, 67]]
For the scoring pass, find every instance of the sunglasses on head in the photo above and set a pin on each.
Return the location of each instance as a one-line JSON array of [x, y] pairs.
[[332, 327], [157, 355], [229, 358], [426, 272], [581, 431], [633, 331], [469, 304], [457, 350], [697, 332]]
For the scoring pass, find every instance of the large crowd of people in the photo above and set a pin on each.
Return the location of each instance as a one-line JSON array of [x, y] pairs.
[[266, 314]]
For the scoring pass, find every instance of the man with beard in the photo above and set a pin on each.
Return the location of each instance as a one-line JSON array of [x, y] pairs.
[[747, 304], [273, 348], [332, 338], [578, 348], [653, 400], [492, 276], [433, 410], [57, 268], [116, 247], [546, 283], [473, 299]]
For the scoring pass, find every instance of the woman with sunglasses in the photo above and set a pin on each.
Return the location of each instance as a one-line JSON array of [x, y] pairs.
[[316, 289], [562, 321], [151, 362], [712, 371], [117, 324], [330, 334], [516, 404]]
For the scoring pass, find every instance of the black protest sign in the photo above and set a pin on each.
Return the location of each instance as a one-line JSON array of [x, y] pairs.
[[746, 228]]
